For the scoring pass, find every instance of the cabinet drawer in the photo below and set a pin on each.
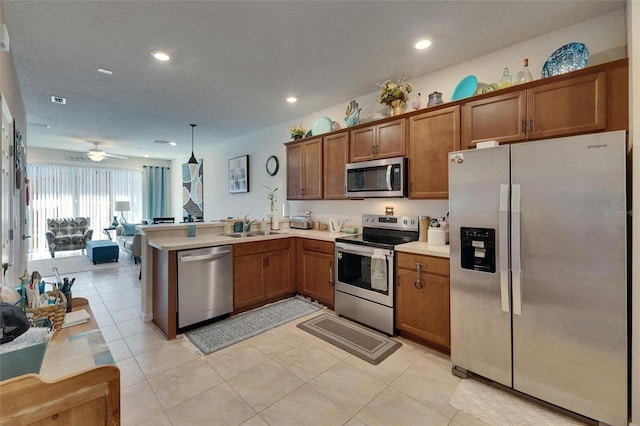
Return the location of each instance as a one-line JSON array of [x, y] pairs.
[[316, 245], [430, 265], [243, 249]]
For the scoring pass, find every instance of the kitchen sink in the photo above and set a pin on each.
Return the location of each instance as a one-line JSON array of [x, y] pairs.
[[261, 233]]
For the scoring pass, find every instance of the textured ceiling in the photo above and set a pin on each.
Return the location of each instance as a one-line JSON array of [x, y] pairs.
[[234, 62]]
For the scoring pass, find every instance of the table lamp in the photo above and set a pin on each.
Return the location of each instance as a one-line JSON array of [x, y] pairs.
[[122, 206]]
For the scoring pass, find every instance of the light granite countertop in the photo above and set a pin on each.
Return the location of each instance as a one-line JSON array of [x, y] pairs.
[[173, 242], [417, 247], [211, 240]]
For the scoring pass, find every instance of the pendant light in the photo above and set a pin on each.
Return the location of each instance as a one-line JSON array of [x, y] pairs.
[[192, 160]]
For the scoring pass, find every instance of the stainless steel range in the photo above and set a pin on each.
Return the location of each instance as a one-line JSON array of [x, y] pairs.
[[365, 279]]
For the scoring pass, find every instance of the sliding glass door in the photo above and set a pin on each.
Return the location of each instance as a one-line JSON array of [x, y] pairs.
[[65, 191]]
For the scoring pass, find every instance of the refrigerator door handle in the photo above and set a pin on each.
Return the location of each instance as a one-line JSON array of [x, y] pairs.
[[504, 246], [516, 265]]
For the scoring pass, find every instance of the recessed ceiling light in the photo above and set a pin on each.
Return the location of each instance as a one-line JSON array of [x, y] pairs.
[[105, 71], [422, 44], [172, 143], [146, 156], [292, 99], [160, 55]]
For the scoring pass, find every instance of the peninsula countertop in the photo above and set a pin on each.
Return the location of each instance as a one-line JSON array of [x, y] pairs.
[[173, 242]]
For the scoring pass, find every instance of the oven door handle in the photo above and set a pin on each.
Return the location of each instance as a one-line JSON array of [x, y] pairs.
[[354, 251]]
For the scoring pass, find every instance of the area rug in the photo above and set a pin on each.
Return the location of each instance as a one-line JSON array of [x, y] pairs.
[[362, 342], [220, 334], [497, 407], [67, 265]]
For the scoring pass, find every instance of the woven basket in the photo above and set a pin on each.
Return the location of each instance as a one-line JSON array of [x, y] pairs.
[[55, 312]]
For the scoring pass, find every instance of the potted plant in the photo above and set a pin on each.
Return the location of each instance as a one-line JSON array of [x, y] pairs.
[[271, 196], [297, 132], [395, 94]]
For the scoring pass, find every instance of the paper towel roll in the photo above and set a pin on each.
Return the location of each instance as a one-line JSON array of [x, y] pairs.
[[437, 237], [285, 209]]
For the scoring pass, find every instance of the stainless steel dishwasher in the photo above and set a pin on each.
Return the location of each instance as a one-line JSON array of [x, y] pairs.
[[205, 284]]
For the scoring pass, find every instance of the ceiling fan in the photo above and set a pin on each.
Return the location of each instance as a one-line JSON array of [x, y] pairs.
[[96, 154]]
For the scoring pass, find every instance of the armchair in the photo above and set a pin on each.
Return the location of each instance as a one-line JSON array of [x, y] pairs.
[[68, 233]]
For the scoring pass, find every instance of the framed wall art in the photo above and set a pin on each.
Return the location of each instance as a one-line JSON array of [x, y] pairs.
[[239, 174], [192, 192]]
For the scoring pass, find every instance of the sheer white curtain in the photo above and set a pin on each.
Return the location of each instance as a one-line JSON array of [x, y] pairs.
[[66, 191]]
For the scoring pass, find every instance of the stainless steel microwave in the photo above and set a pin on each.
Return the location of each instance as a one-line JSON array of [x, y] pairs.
[[377, 178]]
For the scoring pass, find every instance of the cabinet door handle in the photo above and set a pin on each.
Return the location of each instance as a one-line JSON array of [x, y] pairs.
[[418, 284], [530, 128], [266, 262], [331, 282], [523, 126]]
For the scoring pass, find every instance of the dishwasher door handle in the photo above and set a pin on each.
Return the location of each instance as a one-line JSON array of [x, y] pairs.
[[214, 256]]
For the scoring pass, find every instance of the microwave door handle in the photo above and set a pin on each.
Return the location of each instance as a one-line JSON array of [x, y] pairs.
[[389, 168]]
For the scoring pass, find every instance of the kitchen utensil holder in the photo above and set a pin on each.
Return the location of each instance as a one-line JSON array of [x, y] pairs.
[[55, 312]]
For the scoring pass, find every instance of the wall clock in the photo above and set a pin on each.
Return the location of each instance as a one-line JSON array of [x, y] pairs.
[[272, 165]]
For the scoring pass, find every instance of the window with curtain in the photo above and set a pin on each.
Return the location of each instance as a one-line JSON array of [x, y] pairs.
[[157, 190], [67, 191]]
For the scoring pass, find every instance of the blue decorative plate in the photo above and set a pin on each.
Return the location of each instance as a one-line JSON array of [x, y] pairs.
[[465, 88], [322, 125], [570, 57]]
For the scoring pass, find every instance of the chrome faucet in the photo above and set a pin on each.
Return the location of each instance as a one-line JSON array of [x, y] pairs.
[[247, 224]]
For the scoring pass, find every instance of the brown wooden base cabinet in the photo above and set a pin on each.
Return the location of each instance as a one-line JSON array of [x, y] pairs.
[[262, 271], [315, 273], [422, 300]]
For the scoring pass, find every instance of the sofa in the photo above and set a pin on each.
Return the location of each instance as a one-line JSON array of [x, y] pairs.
[[68, 233], [129, 240]]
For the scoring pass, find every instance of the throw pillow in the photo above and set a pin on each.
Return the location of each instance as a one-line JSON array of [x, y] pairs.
[[129, 229]]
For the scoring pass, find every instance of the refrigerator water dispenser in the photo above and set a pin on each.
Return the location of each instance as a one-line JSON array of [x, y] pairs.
[[478, 249]]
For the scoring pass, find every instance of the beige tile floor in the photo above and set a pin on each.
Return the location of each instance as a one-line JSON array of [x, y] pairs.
[[282, 377]]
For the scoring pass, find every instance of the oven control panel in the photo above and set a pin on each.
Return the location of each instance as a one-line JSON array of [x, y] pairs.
[[409, 223]]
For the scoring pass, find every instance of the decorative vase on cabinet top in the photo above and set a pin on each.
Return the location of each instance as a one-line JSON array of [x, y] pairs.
[[435, 98], [397, 110], [352, 115]]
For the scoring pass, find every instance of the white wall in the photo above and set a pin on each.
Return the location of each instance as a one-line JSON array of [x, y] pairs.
[[13, 200], [605, 37], [633, 40]]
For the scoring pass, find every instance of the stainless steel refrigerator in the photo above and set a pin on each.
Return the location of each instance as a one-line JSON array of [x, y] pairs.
[[538, 270]]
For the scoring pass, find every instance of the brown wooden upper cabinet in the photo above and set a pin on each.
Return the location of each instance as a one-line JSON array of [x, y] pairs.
[[335, 153], [383, 140], [432, 135], [304, 170], [572, 106]]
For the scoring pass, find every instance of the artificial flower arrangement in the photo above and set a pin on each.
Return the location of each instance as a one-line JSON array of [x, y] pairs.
[[395, 93], [297, 132]]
